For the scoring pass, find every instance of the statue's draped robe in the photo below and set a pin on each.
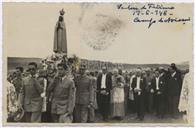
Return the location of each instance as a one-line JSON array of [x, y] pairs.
[[60, 41]]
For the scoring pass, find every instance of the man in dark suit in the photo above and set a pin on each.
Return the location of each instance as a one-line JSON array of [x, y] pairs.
[[159, 84], [43, 82], [174, 90], [30, 95], [63, 89], [84, 96], [47, 116], [149, 98], [138, 86], [104, 86]]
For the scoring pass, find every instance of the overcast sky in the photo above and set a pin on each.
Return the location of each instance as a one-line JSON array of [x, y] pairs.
[[29, 32]]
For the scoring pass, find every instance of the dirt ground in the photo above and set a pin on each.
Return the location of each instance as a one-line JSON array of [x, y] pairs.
[[149, 118]]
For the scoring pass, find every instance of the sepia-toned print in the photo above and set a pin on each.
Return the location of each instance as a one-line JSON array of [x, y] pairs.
[[98, 64]]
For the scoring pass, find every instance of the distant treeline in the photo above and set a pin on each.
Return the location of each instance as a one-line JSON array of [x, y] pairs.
[[93, 64]]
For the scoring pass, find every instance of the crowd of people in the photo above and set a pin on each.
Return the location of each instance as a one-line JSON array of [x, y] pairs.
[[53, 94]]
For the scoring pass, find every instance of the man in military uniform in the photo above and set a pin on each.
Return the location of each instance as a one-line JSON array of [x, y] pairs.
[[84, 96], [63, 89], [30, 95]]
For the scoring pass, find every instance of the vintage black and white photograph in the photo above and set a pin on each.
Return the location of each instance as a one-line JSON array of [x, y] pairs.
[[98, 63]]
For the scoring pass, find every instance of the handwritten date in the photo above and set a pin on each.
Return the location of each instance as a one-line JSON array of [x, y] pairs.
[[152, 13]]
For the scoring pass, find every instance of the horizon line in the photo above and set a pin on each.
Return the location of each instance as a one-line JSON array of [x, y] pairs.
[[111, 61]]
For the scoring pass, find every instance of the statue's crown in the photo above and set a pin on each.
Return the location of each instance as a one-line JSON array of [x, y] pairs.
[[62, 12]]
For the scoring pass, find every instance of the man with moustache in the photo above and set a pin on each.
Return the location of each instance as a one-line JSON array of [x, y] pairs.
[[104, 86], [138, 86]]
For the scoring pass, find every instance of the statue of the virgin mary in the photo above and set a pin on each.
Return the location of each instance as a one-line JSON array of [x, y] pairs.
[[60, 41]]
